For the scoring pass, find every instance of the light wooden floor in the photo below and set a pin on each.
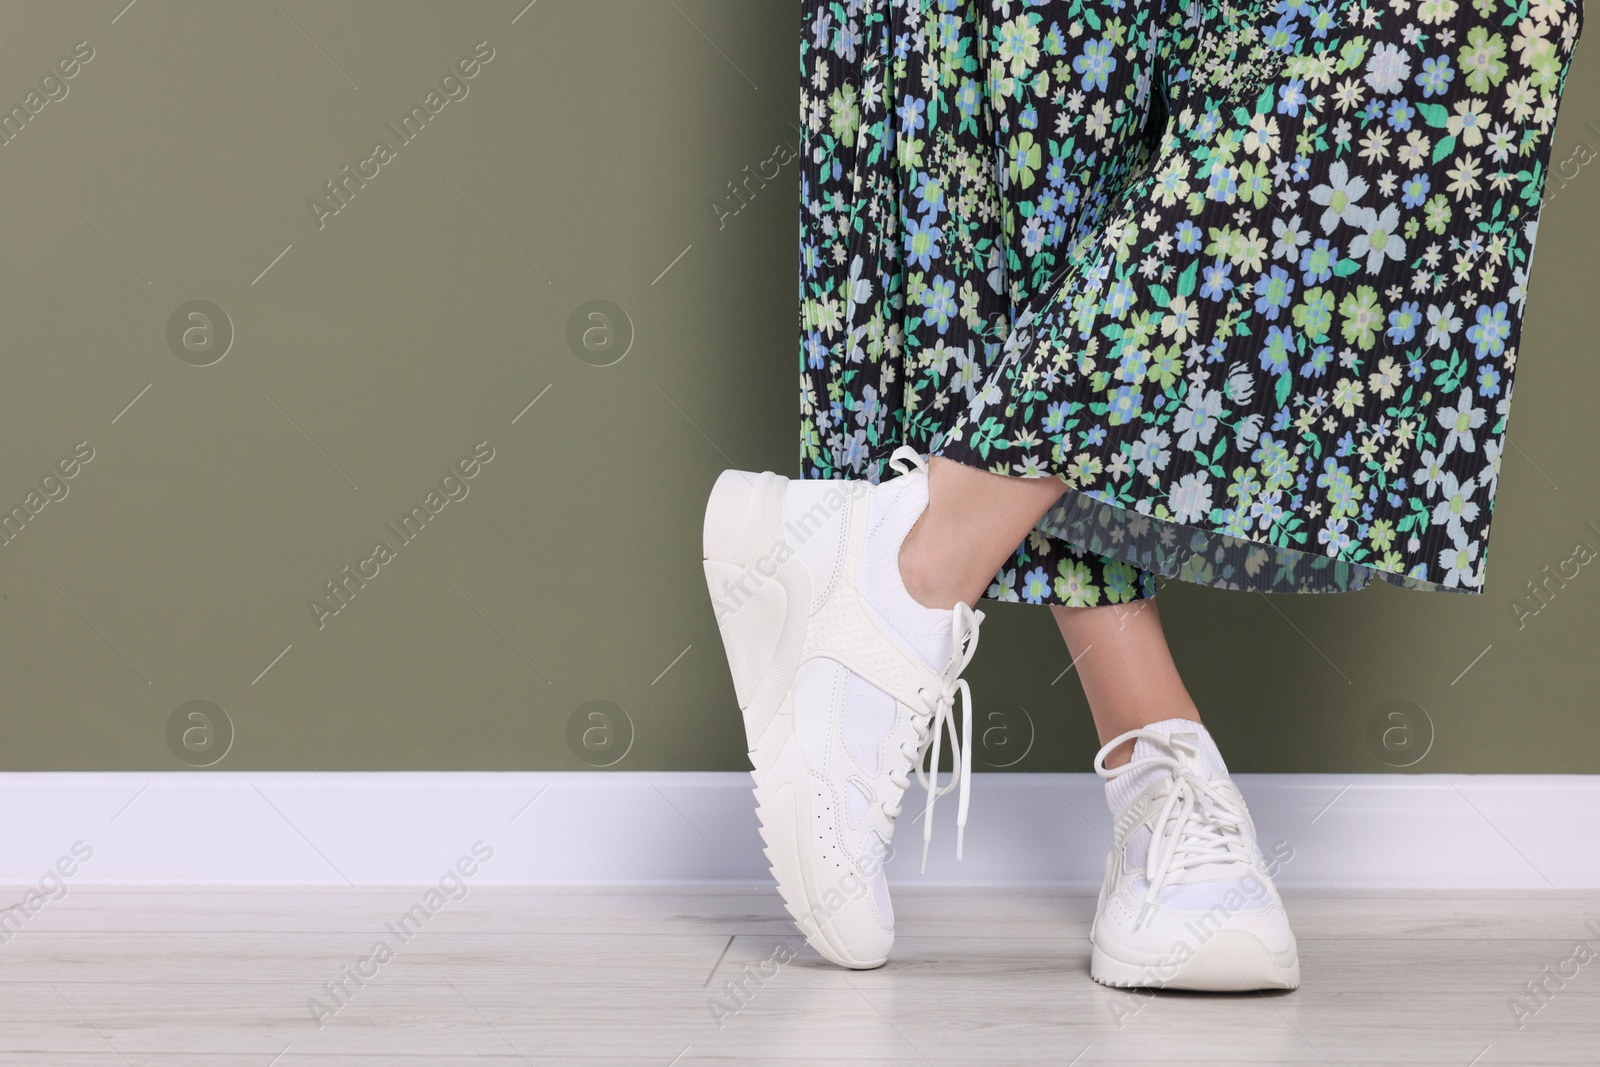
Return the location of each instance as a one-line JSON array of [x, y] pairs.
[[590, 977]]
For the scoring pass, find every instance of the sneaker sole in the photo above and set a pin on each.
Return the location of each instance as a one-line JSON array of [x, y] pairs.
[[763, 605], [1229, 961]]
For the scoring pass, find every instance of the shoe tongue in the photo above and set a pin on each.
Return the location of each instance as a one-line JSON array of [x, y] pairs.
[[1186, 750], [1183, 747]]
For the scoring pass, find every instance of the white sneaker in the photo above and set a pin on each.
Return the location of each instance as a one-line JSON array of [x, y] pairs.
[[1188, 902], [844, 680]]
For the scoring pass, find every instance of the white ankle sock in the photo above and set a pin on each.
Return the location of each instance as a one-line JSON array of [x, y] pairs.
[[1121, 790], [894, 509]]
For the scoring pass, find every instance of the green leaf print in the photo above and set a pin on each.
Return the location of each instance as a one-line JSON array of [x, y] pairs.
[[1186, 280], [1436, 115], [1445, 146]]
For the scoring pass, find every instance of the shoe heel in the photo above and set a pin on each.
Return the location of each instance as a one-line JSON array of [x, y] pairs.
[[742, 535], [744, 517]]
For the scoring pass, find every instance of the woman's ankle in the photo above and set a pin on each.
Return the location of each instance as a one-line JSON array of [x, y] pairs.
[[1125, 722]]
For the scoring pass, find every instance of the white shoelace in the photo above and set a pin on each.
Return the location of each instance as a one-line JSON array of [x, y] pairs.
[[940, 719], [905, 459], [1197, 823]]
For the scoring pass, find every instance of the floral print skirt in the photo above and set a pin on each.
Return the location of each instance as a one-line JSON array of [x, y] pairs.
[[1248, 279]]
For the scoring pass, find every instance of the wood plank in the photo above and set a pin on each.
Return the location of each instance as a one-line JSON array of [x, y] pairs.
[[207, 977]]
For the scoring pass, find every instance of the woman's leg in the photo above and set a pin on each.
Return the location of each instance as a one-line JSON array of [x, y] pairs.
[[973, 523], [1126, 669]]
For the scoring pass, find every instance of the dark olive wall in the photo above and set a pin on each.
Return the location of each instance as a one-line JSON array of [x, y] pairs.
[[243, 451]]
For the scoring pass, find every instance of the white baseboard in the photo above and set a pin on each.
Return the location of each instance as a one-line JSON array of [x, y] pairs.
[[1372, 831]]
